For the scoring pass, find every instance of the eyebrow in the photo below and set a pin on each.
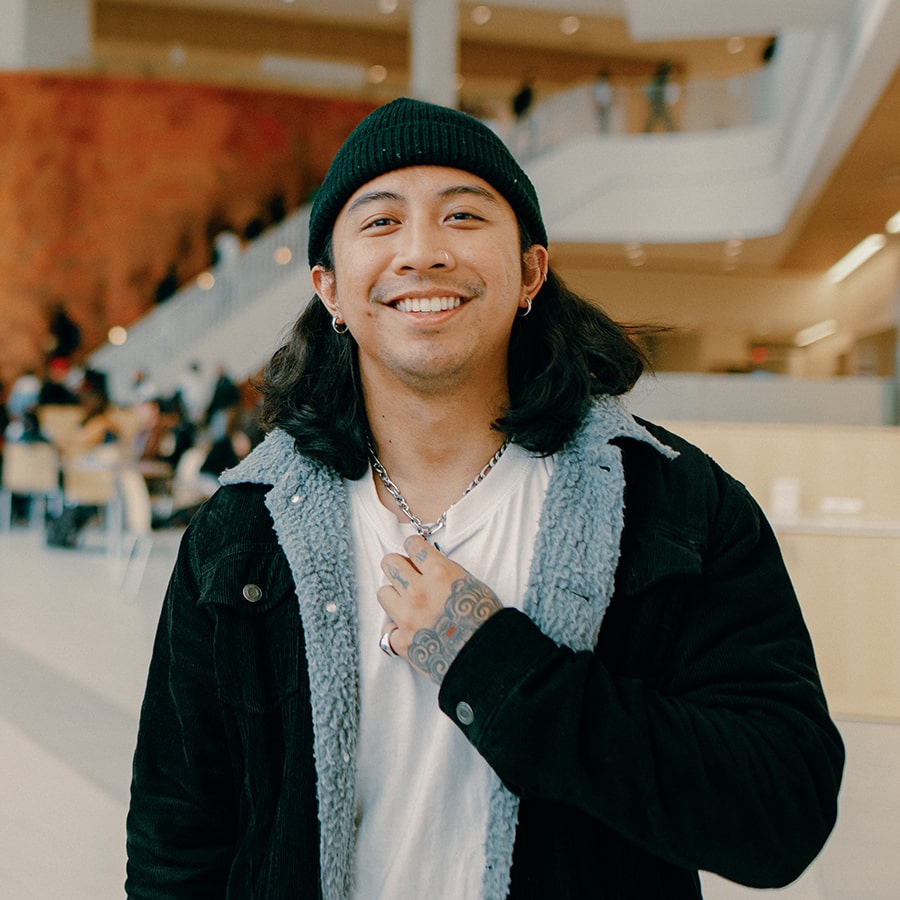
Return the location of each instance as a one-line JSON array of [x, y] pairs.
[[454, 191]]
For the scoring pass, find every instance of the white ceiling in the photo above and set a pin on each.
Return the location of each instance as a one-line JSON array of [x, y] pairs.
[[772, 180]]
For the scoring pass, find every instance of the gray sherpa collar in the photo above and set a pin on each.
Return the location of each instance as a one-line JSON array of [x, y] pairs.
[[579, 530]]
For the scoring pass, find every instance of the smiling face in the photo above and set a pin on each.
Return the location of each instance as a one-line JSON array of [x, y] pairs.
[[428, 276]]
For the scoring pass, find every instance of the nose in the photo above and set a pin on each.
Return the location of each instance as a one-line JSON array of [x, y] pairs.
[[422, 248]]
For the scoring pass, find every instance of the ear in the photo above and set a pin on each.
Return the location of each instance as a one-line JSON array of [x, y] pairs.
[[535, 263], [326, 288]]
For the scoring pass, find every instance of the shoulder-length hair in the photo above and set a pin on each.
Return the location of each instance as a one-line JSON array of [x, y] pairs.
[[561, 356]]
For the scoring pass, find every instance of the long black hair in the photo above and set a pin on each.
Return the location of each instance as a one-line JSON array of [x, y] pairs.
[[563, 354]]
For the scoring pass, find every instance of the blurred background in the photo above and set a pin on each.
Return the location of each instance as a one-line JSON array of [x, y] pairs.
[[730, 171]]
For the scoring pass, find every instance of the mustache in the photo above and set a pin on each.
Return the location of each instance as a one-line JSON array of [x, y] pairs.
[[430, 286]]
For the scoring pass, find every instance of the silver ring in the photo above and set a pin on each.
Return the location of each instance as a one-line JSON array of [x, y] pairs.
[[385, 641]]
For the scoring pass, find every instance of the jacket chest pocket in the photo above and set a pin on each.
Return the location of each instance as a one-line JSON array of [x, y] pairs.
[[658, 576], [251, 598], [658, 556]]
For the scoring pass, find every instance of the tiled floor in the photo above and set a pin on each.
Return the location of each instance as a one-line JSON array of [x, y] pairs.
[[73, 657]]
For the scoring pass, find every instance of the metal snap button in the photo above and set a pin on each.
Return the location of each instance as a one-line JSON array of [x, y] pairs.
[[252, 593], [464, 713]]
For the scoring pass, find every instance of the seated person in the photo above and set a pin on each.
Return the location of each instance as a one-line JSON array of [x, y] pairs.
[[98, 428]]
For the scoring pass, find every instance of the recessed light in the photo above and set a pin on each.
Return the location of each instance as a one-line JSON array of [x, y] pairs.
[[386, 7], [376, 74], [569, 25], [863, 251], [817, 332], [480, 15]]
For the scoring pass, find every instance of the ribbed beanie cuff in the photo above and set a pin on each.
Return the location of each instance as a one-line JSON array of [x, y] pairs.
[[408, 132]]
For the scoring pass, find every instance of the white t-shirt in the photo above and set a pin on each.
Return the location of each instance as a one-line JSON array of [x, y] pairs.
[[422, 790]]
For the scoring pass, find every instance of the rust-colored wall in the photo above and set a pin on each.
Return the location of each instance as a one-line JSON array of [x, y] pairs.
[[105, 183]]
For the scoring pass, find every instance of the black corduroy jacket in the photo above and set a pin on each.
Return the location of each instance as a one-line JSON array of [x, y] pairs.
[[694, 736]]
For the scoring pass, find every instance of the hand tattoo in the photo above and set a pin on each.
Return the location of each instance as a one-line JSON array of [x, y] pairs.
[[394, 572], [469, 605]]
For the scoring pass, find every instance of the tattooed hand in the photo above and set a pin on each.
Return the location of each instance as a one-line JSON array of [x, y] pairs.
[[436, 604]]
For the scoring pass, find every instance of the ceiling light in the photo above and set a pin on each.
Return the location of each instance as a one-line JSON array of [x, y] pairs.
[[386, 7], [376, 74], [206, 281], [569, 25], [481, 15], [817, 332], [117, 335], [892, 226], [864, 250], [283, 255]]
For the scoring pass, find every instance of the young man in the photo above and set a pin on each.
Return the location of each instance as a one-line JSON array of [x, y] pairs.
[[461, 627]]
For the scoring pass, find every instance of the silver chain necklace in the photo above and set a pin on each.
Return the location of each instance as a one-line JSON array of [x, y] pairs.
[[427, 530]]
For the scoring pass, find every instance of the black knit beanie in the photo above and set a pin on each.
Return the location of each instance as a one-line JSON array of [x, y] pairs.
[[409, 132]]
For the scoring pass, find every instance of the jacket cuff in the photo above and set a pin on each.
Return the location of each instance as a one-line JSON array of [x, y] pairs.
[[489, 670]]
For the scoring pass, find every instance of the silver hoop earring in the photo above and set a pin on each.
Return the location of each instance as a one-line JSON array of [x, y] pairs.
[[338, 327], [524, 312]]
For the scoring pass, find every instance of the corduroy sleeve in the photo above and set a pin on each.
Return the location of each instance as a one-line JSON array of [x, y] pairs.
[[181, 818], [704, 738]]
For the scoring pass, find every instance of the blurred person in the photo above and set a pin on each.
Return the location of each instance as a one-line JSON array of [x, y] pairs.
[[195, 392], [26, 430], [461, 626], [98, 427], [54, 388], [602, 96], [661, 94], [521, 104], [64, 334], [223, 404], [24, 394]]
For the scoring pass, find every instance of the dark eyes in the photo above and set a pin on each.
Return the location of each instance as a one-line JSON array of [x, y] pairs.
[[388, 221]]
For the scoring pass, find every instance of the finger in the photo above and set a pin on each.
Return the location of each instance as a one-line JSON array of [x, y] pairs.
[[398, 570], [419, 550]]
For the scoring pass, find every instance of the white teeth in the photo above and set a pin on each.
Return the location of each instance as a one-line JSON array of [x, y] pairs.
[[428, 304]]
